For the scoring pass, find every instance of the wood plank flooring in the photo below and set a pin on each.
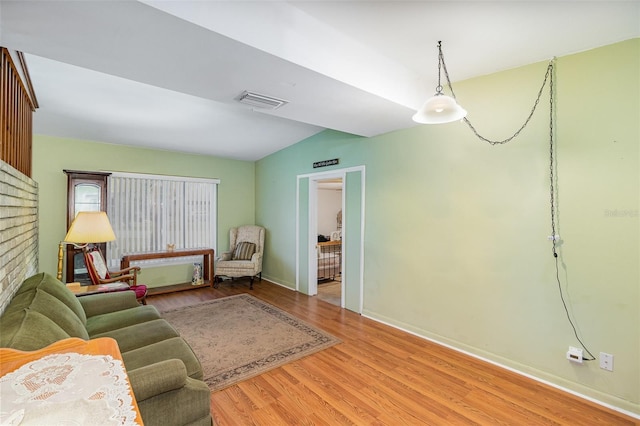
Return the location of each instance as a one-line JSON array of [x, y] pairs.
[[382, 376]]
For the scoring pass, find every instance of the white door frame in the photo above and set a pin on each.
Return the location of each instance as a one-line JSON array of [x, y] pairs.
[[313, 226]]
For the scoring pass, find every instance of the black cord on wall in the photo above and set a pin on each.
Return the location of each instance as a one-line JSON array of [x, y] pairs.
[[552, 178], [552, 201]]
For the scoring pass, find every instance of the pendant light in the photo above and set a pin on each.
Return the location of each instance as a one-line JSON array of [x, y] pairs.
[[444, 109], [440, 108]]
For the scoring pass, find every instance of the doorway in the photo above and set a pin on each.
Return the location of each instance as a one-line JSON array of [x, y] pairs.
[[352, 243], [329, 247]]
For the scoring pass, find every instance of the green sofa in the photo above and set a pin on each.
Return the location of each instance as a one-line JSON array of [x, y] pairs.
[[165, 374]]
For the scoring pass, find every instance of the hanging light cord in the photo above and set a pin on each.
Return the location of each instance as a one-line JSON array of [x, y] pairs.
[[440, 65], [552, 201], [548, 76]]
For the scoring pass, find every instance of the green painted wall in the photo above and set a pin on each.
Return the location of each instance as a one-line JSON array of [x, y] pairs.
[[456, 231], [276, 196], [236, 199]]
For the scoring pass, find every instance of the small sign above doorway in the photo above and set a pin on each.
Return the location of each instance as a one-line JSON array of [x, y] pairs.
[[326, 163]]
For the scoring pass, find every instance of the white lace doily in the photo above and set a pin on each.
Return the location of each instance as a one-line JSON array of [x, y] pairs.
[[67, 389]]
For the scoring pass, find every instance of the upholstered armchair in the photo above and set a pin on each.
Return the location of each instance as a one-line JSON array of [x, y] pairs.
[[244, 258]]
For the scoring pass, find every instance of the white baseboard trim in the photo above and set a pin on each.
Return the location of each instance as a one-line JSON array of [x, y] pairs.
[[506, 367], [276, 283]]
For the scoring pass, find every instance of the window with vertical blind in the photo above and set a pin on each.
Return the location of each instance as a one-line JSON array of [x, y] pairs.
[[150, 212]]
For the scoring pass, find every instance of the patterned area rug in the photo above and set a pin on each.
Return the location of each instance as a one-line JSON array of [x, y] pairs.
[[239, 337]]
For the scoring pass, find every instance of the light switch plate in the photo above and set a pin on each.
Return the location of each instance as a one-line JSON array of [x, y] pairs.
[[606, 361]]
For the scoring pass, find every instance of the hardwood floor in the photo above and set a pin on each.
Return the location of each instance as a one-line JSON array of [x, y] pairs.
[[382, 376], [330, 292]]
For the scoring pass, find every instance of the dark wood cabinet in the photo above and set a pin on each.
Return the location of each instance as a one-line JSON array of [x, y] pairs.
[[86, 191]]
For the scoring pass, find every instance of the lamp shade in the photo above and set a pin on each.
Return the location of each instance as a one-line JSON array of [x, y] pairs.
[[90, 227], [439, 109]]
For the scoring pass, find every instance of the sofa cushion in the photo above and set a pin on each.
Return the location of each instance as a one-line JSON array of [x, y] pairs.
[[138, 335], [56, 288], [19, 302], [31, 283], [237, 266], [44, 303], [170, 348], [104, 303], [28, 330], [102, 323]]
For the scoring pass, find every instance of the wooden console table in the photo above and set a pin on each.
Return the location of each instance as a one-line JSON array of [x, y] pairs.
[[68, 381], [207, 275]]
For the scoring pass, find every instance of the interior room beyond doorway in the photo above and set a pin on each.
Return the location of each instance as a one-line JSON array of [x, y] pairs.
[[329, 244]]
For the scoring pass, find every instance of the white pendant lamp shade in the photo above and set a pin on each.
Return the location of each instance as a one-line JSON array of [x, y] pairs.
[[439, 109]]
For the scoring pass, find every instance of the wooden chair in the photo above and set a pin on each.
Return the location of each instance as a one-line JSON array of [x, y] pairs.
[[99, 274]]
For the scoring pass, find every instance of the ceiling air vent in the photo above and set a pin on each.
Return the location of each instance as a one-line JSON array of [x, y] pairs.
[[260, 101]]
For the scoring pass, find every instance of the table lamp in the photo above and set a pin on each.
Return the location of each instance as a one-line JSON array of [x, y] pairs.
[[86, 228]]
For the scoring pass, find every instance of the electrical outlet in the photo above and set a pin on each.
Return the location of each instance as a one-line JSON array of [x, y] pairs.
[[606, 361], [574, 354]]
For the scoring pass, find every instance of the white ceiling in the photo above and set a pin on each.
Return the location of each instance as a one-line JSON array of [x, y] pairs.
[[164, 74]]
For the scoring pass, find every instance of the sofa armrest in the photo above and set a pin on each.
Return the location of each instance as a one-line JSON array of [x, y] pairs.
[[103, 303], [154, 379]]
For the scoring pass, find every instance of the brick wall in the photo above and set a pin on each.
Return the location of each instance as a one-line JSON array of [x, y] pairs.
[[18, 230]]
